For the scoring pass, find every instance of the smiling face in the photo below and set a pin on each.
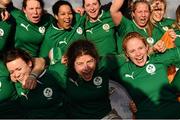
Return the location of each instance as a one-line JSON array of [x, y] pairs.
[[85, 66], [158, 11], [19, 69], [92, 8], [141, 14], [137, 51], [64, 17], [33, 11]]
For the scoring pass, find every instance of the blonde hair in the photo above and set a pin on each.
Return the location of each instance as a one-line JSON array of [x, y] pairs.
[[176, 24]]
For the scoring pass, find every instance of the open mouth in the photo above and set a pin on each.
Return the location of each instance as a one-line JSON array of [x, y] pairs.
[[143, 21], [92, 13], [140, 60], [68, 23], [36, 18], [87, 75]]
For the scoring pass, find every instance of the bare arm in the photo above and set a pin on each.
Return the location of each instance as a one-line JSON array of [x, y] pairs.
[[115, 11], [4, 3], [31, 81]]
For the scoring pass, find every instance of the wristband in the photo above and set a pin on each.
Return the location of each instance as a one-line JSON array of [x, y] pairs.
[[33, 75]]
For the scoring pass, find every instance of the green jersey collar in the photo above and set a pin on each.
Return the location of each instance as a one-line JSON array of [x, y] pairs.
[[98, 19]]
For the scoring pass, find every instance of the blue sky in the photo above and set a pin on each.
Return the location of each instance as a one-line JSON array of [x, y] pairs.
[[171, 5]]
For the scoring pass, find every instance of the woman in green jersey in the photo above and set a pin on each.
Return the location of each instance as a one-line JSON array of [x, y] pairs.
[[86, 81], [8, 94], [157, 19], [145, 78], [69, 26], [158, 11], [139, 23], [9, 106], [99, 26], [31, 24], [46, 100]]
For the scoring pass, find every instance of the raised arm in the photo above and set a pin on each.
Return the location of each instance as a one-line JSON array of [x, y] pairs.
[[4, 3], [115, 11]]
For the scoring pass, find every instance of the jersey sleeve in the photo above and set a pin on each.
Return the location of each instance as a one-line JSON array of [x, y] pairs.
[[124, 27], [46, 45], [113, 62], [59, 71], [5, 31], [20, 91], [15, 12], [171, 56]]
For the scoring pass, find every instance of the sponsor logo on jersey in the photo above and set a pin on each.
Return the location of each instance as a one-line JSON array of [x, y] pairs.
[[150, 69], [42, 29], [25, 95], [97, 81], [165, 28], [79, 30], [1, 32], [90, 31], [25, 26], [73, 81], [150, 40], [48, 92], [106, 27], [63, 41], [130, 75]]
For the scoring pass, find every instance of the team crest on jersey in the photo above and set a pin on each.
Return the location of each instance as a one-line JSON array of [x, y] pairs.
[[97, 81], [106, 27], [150, 40], [48, 92], [165, 28], [151, 69], [1, 32], [79, 30], [42, 30]]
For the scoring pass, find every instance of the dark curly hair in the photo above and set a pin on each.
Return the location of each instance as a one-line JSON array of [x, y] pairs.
[[79, 48]]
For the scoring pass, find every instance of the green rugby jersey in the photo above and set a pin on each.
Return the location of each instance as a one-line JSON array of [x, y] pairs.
[[6, 86], [5, 32], [9, 107], [165, 22], [126, 26], [102, 33], [45, 101], [149, 87], [29, 36], [87, 99], [60, 39]]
